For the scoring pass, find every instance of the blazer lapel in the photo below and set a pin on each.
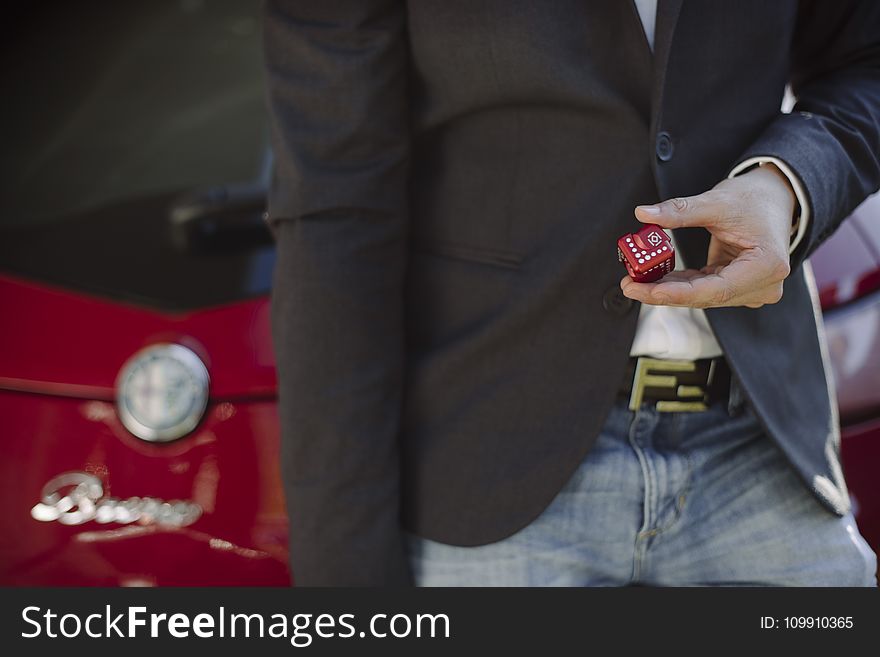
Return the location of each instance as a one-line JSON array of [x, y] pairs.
[[692, 242], [667, 17]]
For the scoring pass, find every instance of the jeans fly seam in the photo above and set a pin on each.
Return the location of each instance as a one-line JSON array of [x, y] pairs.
[[681, 498], [639, 546]]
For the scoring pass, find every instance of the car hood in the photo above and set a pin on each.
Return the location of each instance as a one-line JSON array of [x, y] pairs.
[[57, 341], [847, 265]]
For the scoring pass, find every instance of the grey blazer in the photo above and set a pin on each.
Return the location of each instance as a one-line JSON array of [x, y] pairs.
[[451, 178]]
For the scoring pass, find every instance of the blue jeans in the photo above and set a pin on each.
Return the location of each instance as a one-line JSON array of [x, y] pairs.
[[668, 499]]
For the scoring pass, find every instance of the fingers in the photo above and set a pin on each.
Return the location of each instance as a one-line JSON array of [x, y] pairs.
[[741, 283], [690, 288], [685, 211], [700, 293]]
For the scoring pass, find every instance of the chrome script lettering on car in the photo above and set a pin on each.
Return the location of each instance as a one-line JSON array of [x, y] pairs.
[[75, 498]]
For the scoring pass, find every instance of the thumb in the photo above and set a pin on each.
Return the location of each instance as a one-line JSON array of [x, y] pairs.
[[681, 212]]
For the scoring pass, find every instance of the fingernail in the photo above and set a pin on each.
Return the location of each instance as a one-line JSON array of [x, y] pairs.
[[649, 209]]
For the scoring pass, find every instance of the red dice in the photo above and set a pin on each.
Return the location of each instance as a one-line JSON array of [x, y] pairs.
[[648, 254]]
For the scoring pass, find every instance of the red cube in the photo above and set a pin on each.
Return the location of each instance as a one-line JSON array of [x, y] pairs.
[[648, 254]]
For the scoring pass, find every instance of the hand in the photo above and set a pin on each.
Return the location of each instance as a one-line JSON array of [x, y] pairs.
[[749, 217]]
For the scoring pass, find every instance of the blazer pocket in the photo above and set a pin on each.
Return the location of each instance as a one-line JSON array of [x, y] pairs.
[[476, 254]]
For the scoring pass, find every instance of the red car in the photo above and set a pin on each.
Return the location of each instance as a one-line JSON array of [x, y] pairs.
[[137, 383], [847, 269]]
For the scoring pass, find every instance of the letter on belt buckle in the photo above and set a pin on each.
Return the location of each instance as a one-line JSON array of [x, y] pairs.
[[644, 378]]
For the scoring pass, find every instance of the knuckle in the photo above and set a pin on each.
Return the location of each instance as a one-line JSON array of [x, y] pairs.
[[782, 268], [775, 294], [775, 265], [725, 296], [769, 296], [679, 204]]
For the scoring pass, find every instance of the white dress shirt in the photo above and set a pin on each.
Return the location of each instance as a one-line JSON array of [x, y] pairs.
[[684, 333]]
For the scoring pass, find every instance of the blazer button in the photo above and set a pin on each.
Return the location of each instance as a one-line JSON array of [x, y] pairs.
[[615, 301], [664, 148]]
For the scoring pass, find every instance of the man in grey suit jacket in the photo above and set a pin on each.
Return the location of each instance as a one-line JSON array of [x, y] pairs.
[[465, 392]]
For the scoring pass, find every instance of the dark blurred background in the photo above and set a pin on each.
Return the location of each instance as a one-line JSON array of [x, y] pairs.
[[105, 100]]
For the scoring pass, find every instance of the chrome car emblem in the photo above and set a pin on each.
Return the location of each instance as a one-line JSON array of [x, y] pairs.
[[162, 392], [75, 498]]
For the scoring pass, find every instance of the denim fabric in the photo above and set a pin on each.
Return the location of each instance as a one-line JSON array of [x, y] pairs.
[[668, 499]]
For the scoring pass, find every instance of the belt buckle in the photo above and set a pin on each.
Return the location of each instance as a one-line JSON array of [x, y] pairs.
[[659, 373]]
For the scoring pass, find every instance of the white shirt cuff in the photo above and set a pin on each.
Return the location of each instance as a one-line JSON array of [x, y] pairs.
[[802, 218]]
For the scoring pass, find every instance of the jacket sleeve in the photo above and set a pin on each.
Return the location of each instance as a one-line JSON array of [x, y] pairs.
[[336, 76], [831, 139]]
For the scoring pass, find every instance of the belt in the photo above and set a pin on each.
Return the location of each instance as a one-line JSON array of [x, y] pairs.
[[675, 385]]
